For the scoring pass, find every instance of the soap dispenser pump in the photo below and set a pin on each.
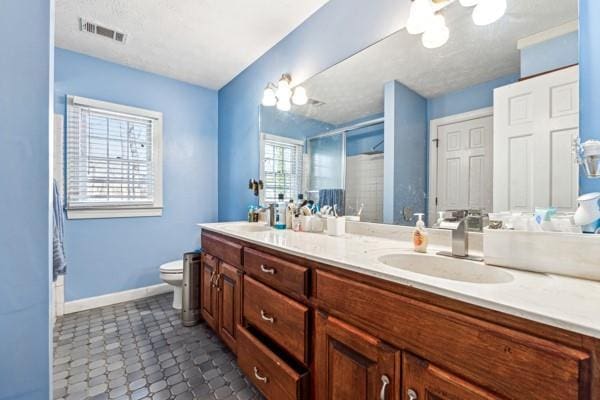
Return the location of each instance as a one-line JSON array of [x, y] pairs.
[[420, 235]]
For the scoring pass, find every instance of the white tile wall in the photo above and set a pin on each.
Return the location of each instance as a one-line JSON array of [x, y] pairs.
[[364, 185]]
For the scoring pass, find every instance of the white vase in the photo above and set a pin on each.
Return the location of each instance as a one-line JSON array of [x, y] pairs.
[[588, 211]]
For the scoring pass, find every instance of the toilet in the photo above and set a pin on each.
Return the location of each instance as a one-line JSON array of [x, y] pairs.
[[172, 274]]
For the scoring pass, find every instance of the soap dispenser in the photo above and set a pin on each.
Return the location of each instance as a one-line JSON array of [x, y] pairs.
[[420, 235]]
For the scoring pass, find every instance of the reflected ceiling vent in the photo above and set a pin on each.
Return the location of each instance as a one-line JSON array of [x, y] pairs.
[[95, 29], [315, 103]]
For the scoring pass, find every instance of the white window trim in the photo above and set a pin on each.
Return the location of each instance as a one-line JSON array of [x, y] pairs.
[[120, 211], [269, 136]]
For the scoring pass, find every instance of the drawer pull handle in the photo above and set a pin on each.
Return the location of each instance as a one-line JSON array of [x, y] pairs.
[[267, 270], [385, 381], [412, 395], [265, 317], [260, 378]]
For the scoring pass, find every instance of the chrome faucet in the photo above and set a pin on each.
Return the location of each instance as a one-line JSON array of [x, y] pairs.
[[456, 223], [269, 211]]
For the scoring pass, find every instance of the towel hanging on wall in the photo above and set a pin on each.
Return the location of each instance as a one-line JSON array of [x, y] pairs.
[[59, 263]]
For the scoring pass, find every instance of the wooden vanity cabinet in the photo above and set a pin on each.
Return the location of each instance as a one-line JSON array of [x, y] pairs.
[[221, 287], [422, 380], [221, 298], [351, 364], [229, 293], [298, 322], [209, 305]]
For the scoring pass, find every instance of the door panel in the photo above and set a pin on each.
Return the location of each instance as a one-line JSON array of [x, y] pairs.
[[351, 364], [535, 122], [424, 381], [230, 297], [208, 295], [465, 165]]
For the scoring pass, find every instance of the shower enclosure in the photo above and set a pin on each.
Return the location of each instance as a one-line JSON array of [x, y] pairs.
[[345, 167]]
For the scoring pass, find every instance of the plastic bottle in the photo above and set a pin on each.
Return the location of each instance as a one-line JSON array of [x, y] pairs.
[[250, 213], [420, 236], [280, 213]]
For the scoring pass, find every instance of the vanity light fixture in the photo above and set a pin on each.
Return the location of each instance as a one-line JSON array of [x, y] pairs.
[[269, 97], [425, 18], [282, 95], [437, 33], [421, 15], [488, 11]]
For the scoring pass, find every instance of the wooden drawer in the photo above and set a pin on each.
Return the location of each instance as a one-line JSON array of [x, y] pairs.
[[275, 272], [513, 364], [276, 379], [230, 252], [282, 319]]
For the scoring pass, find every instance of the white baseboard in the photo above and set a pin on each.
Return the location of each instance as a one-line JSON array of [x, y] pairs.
[[114, 298]]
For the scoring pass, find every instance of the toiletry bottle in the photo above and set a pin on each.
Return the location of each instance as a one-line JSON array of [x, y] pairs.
[[420, 239], [280, 213], [250, 213], [289, 214]]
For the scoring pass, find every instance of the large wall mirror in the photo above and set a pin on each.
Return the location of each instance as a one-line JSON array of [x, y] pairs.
[[486, 122]]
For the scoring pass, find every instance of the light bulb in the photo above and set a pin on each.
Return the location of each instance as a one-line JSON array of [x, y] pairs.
[[283, 89], [488, 11], [468, 3], [437, 34], [269, 99], [284, 104], [421, 14], [299, 98]]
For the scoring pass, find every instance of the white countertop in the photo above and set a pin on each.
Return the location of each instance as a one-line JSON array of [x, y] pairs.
[[568, 303]]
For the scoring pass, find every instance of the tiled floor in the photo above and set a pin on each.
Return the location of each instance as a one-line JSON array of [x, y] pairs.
[[140, 350]]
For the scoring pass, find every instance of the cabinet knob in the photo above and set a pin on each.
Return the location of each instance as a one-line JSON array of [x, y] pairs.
[[385, 381], [260, 378], [267, 270], [265, 317], [412, 395]]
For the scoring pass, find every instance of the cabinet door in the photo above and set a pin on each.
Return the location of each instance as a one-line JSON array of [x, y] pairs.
[[230, 304], [424, 381], [208, 291], [353, 365]]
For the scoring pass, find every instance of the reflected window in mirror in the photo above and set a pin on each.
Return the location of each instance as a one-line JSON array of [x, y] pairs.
[[281, 167]]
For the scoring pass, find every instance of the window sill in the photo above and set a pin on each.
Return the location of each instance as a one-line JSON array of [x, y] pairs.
[[114, 213]]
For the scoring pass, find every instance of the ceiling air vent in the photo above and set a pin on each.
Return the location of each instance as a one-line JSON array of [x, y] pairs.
[[93, 28]]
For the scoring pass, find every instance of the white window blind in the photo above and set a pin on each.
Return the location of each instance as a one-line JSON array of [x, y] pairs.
[[114, 160], [282, 167]]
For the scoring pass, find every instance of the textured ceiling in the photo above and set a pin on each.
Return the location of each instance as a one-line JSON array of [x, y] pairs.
[[205, 42], [354, 88]]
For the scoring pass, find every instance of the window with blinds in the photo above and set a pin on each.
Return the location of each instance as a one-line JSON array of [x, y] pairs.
[[113, 160], [282, 167]]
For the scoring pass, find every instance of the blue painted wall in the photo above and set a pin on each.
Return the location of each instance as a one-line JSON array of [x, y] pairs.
[[25, 113], [589, 31], [111, 255], [336, 31], [468, 99], [550, 55], [289, 124], [363, 140], [405, 174]]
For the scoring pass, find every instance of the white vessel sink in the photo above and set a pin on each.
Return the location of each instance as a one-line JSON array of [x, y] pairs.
[[255, 227], [447, 268]]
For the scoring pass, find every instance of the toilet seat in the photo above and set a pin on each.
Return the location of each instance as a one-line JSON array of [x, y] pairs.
[[173, 267]]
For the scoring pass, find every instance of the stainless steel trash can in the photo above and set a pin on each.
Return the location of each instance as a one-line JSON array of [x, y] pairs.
[[190, 310]]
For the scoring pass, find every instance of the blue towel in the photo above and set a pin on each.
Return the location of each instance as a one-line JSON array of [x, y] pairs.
[[331, 197], [58, 262]]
